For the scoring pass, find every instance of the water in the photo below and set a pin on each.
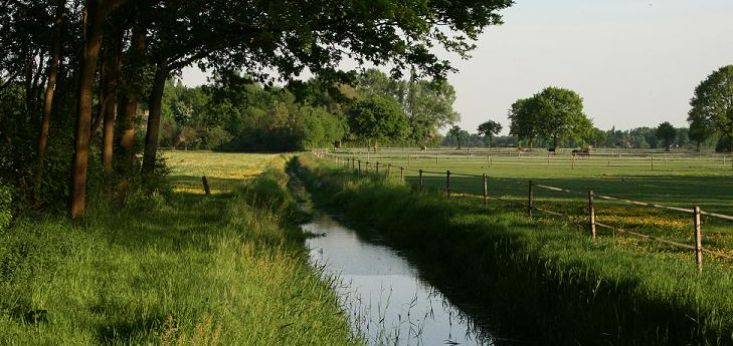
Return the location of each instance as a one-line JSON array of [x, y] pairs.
[[388, 302]]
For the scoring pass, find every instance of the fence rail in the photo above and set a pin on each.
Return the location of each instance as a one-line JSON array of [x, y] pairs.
[[356, 164]]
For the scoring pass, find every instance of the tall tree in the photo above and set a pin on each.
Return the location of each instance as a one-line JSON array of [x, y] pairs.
[[458, 134], [489, 129], [712, 105], [667, 133], [49, 94], [377, 119], [699, 132], [525, 122], [562, 117], [96, 12]]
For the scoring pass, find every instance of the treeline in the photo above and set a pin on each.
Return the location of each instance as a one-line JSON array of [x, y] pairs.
[[236, 113], [555, 117], [636, 138]]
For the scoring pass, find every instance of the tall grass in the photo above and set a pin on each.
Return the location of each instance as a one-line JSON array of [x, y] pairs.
[[182, 269], [545, 280]]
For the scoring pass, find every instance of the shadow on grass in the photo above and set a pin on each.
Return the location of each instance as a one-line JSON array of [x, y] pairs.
[[712, 193]]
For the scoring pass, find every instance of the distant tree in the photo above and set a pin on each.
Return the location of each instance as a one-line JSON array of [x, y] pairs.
[[524, 120], [489, 129], [459, 135], [428, 104], [699, 132], [562, 117], [598, 137], [377, 119], [712, 106], [667, 133]]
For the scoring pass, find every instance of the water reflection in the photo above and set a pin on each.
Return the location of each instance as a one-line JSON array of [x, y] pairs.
[[387, 301]]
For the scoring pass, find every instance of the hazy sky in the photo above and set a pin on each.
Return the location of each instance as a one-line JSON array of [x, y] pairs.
[[636, 63]]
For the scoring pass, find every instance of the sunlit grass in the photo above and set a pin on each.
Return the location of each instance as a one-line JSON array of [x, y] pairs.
[[184, 269], [225, 171]]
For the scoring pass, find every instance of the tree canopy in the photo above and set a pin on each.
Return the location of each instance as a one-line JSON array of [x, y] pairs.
[[667, 133], [555, 114], [712, 106], [489, 129], [378, 118]]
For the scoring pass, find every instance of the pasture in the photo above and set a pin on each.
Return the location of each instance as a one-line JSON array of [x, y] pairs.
[[679, 179]]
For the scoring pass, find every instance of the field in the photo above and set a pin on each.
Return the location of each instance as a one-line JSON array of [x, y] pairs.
[[175, 268], [616, 289], [679, 179]]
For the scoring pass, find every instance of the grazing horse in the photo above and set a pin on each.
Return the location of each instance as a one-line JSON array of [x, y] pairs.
[[552, 151], [337, 144], [584, 152]]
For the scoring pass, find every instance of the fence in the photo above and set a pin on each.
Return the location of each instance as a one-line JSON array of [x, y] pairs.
[[645, 160], [593, 224]]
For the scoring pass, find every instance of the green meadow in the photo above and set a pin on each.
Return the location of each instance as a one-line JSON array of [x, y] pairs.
[[176, 268], [675, 179]]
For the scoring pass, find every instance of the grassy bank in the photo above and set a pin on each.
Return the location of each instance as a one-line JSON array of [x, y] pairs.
[[177, 268], [545, 280]]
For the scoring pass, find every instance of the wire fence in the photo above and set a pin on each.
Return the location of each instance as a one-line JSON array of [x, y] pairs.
[[368, 168]]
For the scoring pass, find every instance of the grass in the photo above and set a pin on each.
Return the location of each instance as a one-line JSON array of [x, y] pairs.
[[544, 277], [172, 269], [677, 180]]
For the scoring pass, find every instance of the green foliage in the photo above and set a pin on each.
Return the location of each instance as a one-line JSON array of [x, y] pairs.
[[525, 122], [377, 119], [712, 109], [489, 129], [555, 114], [561, 116], [428, 104], [667, 133], [458, 135]]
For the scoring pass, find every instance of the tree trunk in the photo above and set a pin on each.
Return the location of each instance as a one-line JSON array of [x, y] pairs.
[[48, 98], [110, 98], [92, 44], [129, 102], [155, 102]]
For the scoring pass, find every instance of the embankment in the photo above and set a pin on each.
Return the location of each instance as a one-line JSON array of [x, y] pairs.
[[544, 280]]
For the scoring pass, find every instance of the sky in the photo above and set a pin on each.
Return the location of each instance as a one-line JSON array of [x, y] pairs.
[[635, 63]]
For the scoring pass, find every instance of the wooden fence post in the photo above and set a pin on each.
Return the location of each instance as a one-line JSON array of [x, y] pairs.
[[530, 199], [447, 183], [698, 239], [592, 215], [572, 164], [377, 168], [486, 191], [359, 171], [420, 179], [402, 175], [652, 162], [389, 168], [205, 181]]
